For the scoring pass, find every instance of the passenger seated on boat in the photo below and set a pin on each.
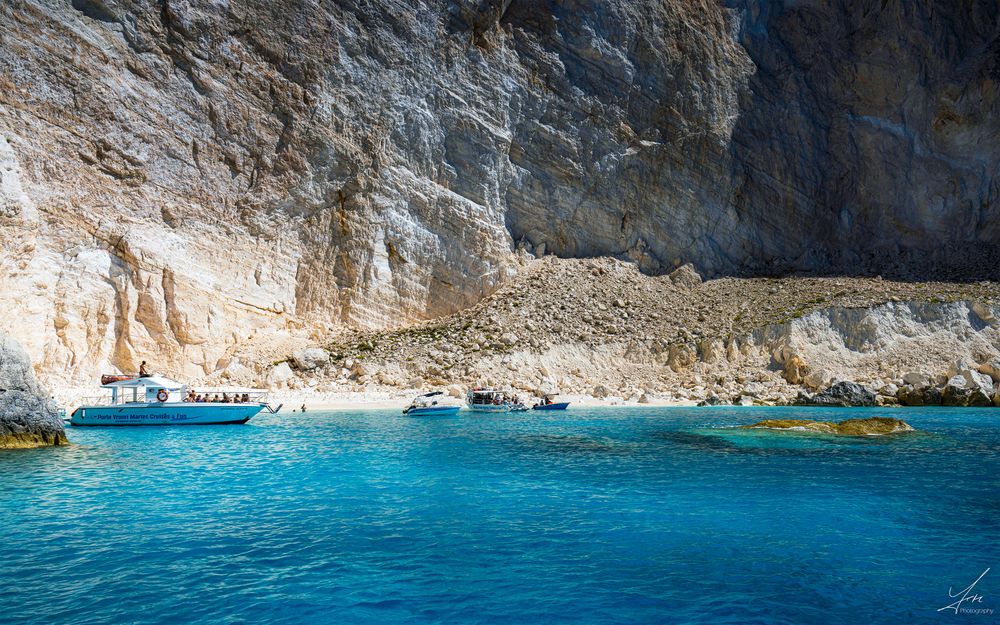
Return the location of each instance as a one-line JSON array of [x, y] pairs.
[[143, 373], [215, 398], [200, 399], [246, 398], [225, 398]]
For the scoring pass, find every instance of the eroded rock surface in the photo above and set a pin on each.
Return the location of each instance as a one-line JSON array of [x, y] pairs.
[[179, 179], [27, 417]]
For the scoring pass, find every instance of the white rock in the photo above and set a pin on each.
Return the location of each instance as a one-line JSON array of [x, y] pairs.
[[917, 380], [279, 375], [310, 358]]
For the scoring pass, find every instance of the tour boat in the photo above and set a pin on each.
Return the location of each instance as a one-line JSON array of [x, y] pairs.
[[490, 400], [154, 400], [424, 405]]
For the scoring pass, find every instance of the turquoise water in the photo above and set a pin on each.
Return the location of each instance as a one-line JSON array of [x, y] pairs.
[[588, 516]]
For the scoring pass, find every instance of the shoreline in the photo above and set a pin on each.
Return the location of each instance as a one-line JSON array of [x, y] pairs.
[[292, 400], [354, 400]]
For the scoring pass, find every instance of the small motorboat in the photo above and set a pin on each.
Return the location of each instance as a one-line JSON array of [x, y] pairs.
[[426, 405], [548, 404], [556, 406]]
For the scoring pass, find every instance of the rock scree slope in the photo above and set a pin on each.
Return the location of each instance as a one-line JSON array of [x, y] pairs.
[[185, 177]]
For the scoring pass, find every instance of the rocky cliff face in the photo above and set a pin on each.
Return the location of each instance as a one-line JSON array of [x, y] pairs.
[[182, 177], [27, 417]]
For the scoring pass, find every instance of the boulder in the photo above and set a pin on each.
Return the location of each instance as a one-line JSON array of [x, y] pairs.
[[991, 368], [685, 276], [889, 390], [680, 357], [279, 375], [979, 381], [27, 417], [844, 394], [714, 400], [817, 380], [911, 396], [744, 400], [959, 367], [985, 312], [238, 372], [916, 379], [960, 392], [310, 358], [794, 370], [711, 350]]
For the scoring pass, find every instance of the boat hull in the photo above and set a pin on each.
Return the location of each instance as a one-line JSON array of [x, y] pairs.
[[488, 407], [559, 406], [165, 414], [438, 411]]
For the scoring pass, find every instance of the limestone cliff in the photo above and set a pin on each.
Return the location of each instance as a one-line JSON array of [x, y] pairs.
[[182, 177], [27, 417]]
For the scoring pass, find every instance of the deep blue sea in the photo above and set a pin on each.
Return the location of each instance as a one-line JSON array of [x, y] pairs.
[[629, 515]]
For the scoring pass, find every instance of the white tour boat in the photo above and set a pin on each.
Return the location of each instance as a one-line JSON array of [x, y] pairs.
[[155, 400], [491, 400]]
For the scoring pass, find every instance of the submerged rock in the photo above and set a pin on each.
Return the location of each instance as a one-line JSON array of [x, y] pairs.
[[851, 427], [27, 417]]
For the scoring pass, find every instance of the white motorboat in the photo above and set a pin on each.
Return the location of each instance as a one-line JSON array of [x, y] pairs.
[[427, 405], [155, 400], [492, 400]]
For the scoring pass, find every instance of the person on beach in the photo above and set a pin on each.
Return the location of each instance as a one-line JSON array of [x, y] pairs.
[[303, 407]]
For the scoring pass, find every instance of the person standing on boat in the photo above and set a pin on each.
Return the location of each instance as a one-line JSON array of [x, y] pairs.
[[143, 373]]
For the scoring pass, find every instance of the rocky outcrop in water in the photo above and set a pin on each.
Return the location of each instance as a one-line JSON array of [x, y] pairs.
[[27, 417], [872, 426], [181, 178]]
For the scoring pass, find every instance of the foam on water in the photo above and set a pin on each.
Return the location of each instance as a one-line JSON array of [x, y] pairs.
[[590, 516]]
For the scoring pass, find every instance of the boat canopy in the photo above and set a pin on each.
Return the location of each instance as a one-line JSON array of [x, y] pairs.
[[227, 389], [153, 381], [489, 392]]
